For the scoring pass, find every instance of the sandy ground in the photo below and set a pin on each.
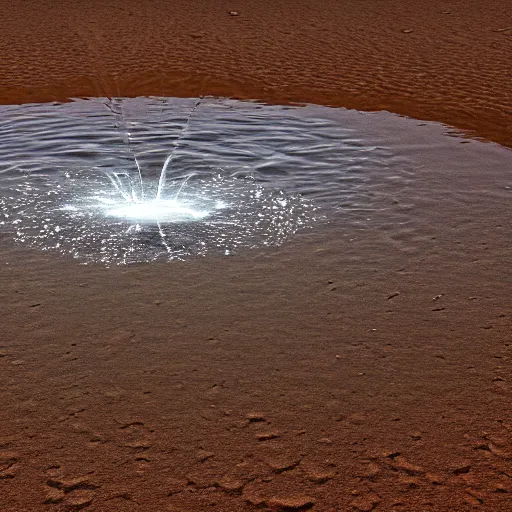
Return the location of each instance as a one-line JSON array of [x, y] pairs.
[[284, 379]]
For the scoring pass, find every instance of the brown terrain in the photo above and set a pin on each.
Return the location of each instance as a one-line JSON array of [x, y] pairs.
[[332, 373]]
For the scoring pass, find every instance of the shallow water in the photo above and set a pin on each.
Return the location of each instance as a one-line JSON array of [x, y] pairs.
[[244, 174]]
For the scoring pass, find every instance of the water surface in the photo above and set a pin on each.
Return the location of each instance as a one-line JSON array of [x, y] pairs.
[[245, 175]]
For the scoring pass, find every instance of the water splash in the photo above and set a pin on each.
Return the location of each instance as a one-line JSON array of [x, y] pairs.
[[92, 216]]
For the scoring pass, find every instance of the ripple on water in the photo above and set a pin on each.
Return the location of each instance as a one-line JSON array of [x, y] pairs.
[[256, 174], [245, 175]]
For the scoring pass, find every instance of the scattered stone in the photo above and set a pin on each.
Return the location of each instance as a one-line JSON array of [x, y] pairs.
[[370, 472], [230, 484], [320, 477], [266, 436], [203, 455], [78, 483], [255, 417], [435, 479], [157, 302], [365, 503], [139, 445], [35, 305], [79, 499], [393, 295], [54, 496], [437, 297], [324, 440], [292, 503], [409, 468], [415, 436], [462, 469], [234, 13], [282, 464], [407, 30]]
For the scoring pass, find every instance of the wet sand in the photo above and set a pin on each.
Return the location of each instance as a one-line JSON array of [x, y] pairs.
[[334, 373]]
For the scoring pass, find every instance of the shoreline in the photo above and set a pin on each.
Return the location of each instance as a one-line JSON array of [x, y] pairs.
[[410, 59]]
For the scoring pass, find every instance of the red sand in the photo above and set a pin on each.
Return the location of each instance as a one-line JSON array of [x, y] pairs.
[[287, 379]]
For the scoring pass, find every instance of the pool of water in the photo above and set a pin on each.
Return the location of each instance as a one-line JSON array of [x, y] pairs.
[[85, 177]]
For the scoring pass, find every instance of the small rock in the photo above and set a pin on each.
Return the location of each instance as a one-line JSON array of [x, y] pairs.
[[365, 503], [462, 469], [292, 503], [393, 295], [324, 440], [79, 499], [266, 436], [255, 417], [139, 445], [407, 30], [234, 13], [203, 455], [435, 479], [320, 477], [409, 468], [281, 464], [230, 484], [54, 496]]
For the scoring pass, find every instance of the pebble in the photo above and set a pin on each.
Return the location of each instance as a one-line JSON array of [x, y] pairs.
[[407, 30], [234, 13]]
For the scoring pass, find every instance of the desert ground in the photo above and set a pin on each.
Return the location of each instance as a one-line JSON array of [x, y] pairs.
[[331, 373]]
